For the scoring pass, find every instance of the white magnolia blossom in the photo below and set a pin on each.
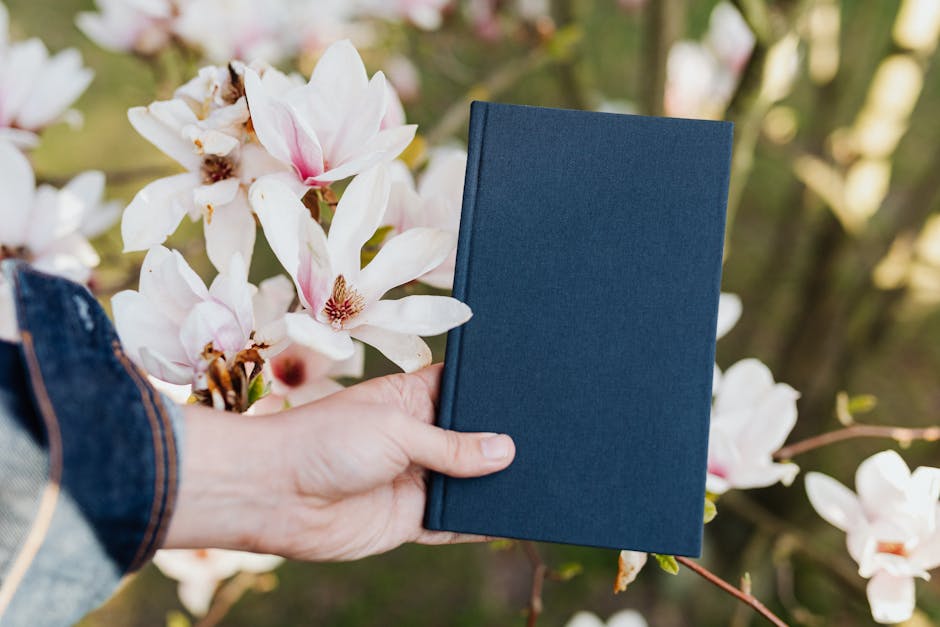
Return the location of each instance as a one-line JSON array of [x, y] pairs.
[[203, 129], [199, 571], [168, 324], [340, 299], [36, 89], [141, 26], [50, 227], [892, 526], [751, 419], [337, 125], [238, 29], [701, 76], [623, 618], [729, 312], [629, 565], [426, 14], [435, 203]]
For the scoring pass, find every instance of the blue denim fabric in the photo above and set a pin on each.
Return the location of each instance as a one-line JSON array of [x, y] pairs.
[[88, 457]]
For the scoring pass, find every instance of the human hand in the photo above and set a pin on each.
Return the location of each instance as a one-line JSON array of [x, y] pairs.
[[338, 479]]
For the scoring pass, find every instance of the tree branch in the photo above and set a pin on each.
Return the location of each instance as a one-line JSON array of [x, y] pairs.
[[744, 597], [539, 571], [226, 599], [901, 434]]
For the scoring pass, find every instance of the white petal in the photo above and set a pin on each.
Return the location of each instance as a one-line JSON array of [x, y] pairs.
[[585, 619], [743, 385], [196, 594], [361, 121], [383, 147], [881, 482], [272, 299], [340, 73], [262, 117], [162, 125], [156, 211], [403, 258], [320, 337], [175, 372], [207, 197], [729, 311], [18, 184], [358, 216], [416, 315], [167, 281], [139, 324], [211, 322], [892, 598], [626, 618], [351, 367], [833, 501], [772, 420], [408, 352], [231, 231], [61, 81], [231, 288]]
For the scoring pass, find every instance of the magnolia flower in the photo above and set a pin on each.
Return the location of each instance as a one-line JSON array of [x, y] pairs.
[[623, 618], [751, 418], [203, 129], [330, 128], [50, 227], [179, 331], [199, 571], [339, 299], [629, 565], [141, 26], [297, 374], [434, 203], [892, 527], [426, 14], [36, 90], [729, 312], [237, 29]]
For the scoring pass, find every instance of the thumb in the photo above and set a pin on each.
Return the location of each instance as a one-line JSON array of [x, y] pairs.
[[457, 454]]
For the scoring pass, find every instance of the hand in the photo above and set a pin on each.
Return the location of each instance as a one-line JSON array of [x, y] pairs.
[[338, 479]]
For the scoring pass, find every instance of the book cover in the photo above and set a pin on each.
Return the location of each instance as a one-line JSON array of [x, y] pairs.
[[590, 252]]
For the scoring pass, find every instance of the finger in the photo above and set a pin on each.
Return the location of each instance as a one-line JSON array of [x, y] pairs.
[[416, 392], [454, 453], [449, 537]]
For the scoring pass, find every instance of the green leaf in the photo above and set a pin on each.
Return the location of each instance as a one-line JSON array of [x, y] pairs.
[[257, 389], [667, 562], [176, 618], [710, 510], [502, 544], [568, 571], [371, 248]]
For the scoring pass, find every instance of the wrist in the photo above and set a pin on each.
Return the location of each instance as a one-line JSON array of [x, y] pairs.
[[232, 480]]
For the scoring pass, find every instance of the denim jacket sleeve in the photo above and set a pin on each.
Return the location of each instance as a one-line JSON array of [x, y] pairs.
[[88, 456]]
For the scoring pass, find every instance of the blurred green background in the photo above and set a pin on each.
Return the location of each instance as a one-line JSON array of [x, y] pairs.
[[811, 309]]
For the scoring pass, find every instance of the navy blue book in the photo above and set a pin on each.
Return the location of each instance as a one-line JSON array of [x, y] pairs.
[[590, 252]]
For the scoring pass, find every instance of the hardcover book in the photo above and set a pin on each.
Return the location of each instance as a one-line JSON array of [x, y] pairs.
[[590, 252]]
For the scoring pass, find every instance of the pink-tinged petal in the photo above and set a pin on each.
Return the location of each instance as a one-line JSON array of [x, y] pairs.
[[833, 501], [263, 119], [211, 322], [162, 125], [231, 231], [156, 211], [408, 352], [881, 482], [139, 324], [318, 336], [416, 315], [743, 386], [340, 74], [273, 298], [394, 110], [171, 286], [383, 147], [18, 184], [729, 312], [175, 372], [231, 288], [297, 240], [358, 216], [403, 258], [60, 82], [892, 598], [360, 122], [313, 391], [351, 367]]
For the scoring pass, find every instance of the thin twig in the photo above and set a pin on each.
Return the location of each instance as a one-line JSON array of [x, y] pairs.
[[539, 571], [226, 599], [665, 24], [737, 593], [901, 434]]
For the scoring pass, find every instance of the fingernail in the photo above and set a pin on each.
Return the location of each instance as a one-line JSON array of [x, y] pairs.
[[495, 446]]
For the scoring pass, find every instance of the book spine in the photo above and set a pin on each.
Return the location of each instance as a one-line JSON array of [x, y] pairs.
[[437, 485]]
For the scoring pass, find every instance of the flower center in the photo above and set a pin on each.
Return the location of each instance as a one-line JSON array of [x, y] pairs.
[[892, 548], [235, 88], [290, 370], [13, 252], [343, 304], [216, 168]]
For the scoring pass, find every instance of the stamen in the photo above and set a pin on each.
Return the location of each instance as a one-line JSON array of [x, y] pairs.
[[343, 304], [13, 252], [216, 168], [892, 548]]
